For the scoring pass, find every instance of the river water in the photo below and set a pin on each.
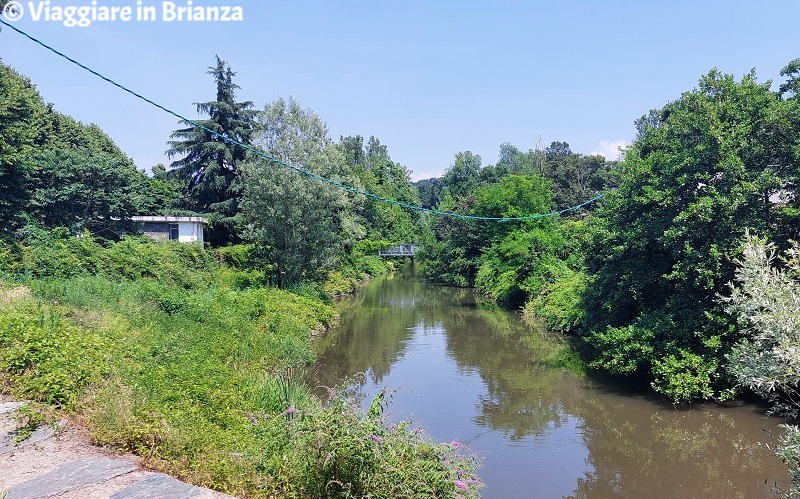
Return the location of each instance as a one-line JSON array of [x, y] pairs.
[[466, 370]]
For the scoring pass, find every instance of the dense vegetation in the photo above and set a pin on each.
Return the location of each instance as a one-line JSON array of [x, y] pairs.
[[192, 356], [641, 277], [670, 280], [167, 351], [644, 276]]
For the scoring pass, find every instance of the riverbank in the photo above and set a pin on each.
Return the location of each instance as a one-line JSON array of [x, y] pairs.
[[60, 460], [471, 372], [191, 364]]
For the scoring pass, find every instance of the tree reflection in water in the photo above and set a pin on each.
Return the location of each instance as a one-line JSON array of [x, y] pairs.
[[475, 373]]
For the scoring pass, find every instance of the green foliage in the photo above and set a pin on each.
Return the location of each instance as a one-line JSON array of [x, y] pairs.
[[59, 172], [461, 179], [21, 111], [164, 357], [372, 167], [792, 85], [303, 224], [575, 177], [429, 191], [361, 264], [58, 254], [560, 303], [701, 170], [209, 165], [765, 301], [788, 450], [333, 449], [513, 262], [282, 393], [686, 376], [45, 357], [84, 190]]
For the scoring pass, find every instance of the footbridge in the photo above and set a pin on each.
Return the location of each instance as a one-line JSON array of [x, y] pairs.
[[409, 249]]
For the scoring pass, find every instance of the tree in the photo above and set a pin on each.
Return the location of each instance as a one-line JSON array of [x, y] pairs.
[[21, 111], [210, 161], [463, 176], [576, 178], [452, 246], [59, 172], [378, 174], [305, 225], [81, 180], [82, 190], [792, 85], [701, 171], [513, 252], [765, 299], [429, 191]]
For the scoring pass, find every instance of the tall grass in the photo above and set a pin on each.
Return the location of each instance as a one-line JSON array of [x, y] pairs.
[[179, 355]]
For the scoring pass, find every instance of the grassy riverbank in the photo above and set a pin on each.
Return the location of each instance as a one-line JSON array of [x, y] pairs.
[[184, 357]]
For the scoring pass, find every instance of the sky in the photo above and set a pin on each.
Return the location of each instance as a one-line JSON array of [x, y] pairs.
[[428, 78]]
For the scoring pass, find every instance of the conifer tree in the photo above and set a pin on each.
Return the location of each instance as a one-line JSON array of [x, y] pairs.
[[209, 162]]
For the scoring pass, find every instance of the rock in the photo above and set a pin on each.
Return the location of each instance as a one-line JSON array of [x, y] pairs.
[[68, 476], [158, 486]]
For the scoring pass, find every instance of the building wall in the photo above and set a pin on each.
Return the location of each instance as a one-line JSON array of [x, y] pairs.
[[190, 232], [156, 231]]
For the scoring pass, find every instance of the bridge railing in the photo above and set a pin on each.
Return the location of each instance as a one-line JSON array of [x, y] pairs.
[[400, 250]]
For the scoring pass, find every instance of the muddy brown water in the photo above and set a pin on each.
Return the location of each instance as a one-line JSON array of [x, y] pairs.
[[466, 370]]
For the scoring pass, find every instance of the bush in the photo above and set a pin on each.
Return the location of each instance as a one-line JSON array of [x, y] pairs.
[[45, 357], [334, 449], [765, 300], [559, 304], [789, 451], [168, 353]]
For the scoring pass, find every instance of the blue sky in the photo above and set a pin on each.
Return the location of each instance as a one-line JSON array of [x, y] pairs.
[[428, 78]]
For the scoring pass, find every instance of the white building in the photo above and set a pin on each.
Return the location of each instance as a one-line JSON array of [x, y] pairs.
[[181, 229]]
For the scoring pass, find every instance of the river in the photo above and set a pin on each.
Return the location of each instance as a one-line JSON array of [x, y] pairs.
[[467, 370]]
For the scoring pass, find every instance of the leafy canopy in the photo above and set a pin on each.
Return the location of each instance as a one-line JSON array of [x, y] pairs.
[[701, 170]]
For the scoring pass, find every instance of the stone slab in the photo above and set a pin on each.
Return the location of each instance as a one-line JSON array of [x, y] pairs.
[[41, 433], [8, 435], [158, 486], [10, 406], [78, 473]]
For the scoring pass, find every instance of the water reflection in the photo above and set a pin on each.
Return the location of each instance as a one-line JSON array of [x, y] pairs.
[[471, 373]]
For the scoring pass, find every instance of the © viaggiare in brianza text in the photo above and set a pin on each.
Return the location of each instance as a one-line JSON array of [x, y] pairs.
[[85, 15]]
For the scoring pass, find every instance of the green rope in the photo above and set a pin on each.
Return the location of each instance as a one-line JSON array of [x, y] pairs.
[[302, 171]]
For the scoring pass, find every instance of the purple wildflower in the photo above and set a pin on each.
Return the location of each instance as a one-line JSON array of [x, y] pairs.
[[376, 438], [291, 410], [456, 444], [461, 485]]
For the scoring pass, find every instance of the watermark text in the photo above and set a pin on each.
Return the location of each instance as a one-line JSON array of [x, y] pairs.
[[76, 15]]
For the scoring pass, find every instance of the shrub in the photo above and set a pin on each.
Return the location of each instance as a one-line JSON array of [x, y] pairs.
[[44, 357], [765, 299], [789, 451], [559, 304], [334, 449]]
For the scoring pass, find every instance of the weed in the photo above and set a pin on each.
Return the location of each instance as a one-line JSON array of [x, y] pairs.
[[189, 362]]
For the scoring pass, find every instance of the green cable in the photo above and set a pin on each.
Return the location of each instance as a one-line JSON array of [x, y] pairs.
[[302, 171]]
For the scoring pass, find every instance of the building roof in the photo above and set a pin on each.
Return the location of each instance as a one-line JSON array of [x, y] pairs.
[[166, 219]]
